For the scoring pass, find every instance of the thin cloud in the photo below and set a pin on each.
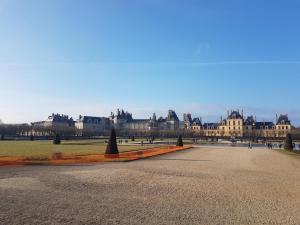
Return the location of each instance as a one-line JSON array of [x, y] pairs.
[[149, 63]]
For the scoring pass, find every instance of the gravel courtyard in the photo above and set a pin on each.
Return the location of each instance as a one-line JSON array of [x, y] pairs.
[[207, 185]]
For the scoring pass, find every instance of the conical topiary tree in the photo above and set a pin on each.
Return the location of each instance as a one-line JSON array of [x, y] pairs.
[[288, 143], [112, 147], [132, 139], [56, 139], [179, 141]]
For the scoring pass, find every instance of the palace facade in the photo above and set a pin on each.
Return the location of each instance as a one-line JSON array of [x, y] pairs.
[[89, 125], [124, 121], [234, 125], [58, 122]]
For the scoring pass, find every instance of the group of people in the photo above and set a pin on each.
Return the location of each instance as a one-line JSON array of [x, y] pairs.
[[121, 141], [271, 146], [280, 145]]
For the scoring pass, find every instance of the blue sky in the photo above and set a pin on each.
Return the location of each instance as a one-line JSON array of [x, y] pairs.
[[204, 57]]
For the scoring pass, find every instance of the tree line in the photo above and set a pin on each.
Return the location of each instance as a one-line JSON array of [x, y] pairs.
[[27, 130]]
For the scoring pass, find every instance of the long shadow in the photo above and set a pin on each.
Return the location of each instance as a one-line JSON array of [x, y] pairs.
[[188, 160], [89, 143]]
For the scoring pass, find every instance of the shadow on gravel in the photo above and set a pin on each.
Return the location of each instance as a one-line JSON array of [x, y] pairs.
[[188, 160]]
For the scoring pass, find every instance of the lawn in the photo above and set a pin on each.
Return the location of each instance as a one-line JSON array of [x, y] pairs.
[[42, 149]]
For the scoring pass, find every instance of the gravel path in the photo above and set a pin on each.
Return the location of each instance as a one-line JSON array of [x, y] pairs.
[[197, 186]]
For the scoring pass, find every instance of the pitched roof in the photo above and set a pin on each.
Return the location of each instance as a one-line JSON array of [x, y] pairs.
[[210, 125], [196, 122], [259, 125], [250, 120], [92, 119], [283, 119], [235, 115], [172, 116]]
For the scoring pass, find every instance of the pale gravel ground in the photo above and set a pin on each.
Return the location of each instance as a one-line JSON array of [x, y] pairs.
[[198, 186]]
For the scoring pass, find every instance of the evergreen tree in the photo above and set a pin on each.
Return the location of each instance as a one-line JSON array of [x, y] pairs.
[[57, 140], [288, 143], [179, 141], [132, 139], [112, 147]]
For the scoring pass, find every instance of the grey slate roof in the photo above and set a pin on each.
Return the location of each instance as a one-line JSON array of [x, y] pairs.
[[210, 126], [197, 122], [259, 125], [92, 119], [235, 115], [283, 119]]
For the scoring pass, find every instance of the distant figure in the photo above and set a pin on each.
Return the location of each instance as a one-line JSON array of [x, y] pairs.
[[142, 143], [249, 145]]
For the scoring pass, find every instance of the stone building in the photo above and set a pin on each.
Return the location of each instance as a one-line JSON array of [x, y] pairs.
[[196, 124], [187, 119], [124, 121], [237, 126], [234, 125], [90, 125], [283, 125], [54, 123]]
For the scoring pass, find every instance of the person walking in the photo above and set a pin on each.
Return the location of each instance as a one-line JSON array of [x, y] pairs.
[[249, 145]]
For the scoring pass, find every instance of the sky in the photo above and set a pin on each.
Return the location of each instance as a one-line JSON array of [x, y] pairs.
[[91, 57]]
